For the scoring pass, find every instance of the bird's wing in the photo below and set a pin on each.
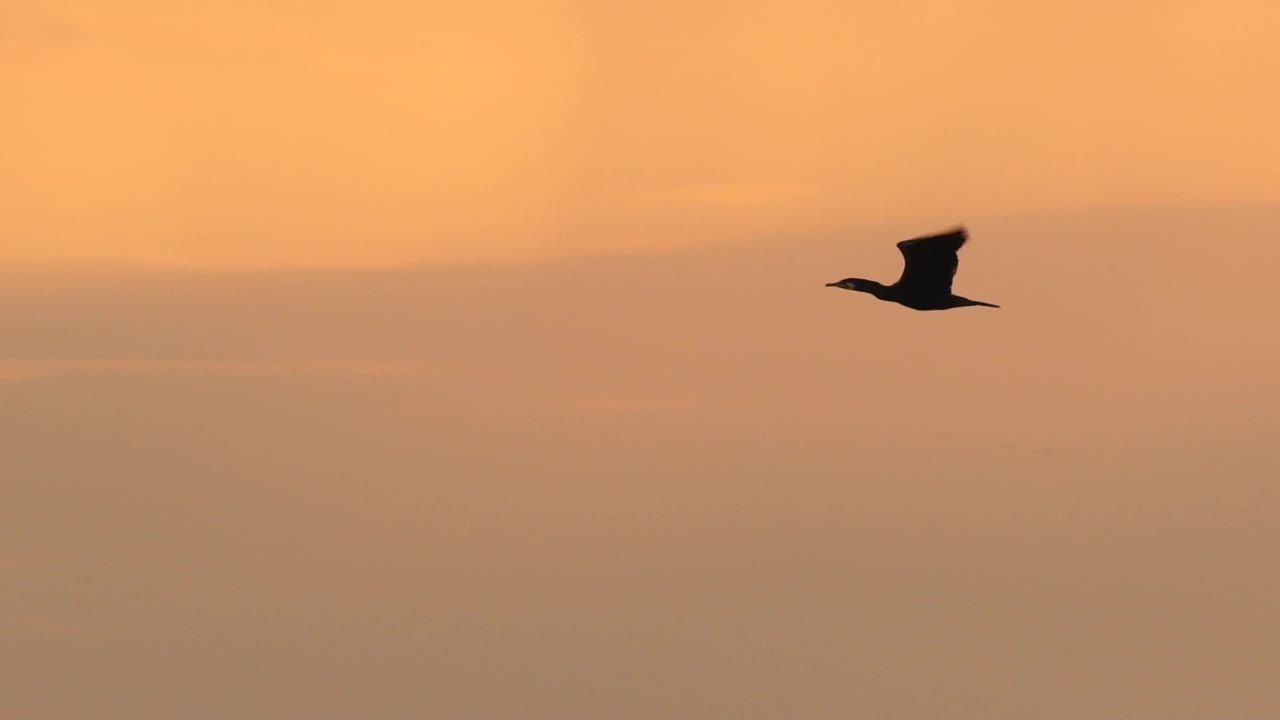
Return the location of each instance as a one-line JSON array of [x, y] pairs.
[[931, 261]]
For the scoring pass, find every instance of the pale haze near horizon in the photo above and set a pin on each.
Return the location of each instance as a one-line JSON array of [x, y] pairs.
[[477, 364]]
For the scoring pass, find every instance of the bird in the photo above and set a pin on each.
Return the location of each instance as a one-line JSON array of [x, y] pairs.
[[931, 263]]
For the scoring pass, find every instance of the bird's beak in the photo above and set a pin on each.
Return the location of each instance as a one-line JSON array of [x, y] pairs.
[[832, 284]]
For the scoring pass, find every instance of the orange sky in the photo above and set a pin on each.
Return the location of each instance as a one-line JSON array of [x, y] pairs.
[[276, 133], [690, 485], [473, 362]]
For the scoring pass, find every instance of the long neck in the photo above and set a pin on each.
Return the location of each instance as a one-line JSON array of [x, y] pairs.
[[871, 287]]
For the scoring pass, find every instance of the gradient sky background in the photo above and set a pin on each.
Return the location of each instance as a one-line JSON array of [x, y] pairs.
[[396, 360]]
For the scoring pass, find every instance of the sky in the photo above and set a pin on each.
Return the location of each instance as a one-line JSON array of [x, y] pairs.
[[277, 134], [397, 360]]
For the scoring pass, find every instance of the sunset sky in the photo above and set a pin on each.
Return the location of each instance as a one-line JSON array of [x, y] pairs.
[[473, 361], [325, 133]]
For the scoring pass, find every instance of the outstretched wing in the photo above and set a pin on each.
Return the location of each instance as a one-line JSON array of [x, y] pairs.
[[931, 261]]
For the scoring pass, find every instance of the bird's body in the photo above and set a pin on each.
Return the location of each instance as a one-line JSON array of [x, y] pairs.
[[931, 263]]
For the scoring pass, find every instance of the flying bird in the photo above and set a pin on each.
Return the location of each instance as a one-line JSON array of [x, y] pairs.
[[931, 263]]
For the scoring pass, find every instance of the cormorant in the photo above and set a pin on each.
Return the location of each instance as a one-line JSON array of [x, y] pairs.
[[931, 263]]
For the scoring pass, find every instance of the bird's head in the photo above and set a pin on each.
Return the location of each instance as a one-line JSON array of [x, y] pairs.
[[856, 284]]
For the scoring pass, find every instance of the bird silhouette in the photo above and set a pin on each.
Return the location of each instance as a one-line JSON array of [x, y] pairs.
[[931, 263]]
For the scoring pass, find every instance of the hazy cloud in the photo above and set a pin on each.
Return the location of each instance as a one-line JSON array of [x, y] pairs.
[[629, 404], [18, 370]]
